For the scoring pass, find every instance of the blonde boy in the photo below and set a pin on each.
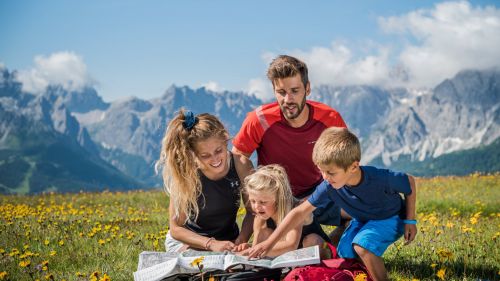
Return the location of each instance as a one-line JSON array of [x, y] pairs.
[[370, 195]]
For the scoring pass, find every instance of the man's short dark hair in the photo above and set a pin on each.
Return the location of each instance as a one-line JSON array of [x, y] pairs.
[[286, 66]]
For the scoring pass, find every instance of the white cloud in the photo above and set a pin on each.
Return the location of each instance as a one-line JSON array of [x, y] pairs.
[[450, 37], [63, 68], [437, 43], [260, 88], [213, 86], [337, 65]]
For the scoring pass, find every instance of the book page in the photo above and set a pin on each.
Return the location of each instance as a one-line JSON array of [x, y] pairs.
[[148, 259], [157, 272], [231, 260], [211, 260], [300, 257]]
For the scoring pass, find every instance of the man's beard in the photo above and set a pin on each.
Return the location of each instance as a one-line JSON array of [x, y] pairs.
[[299, 109]]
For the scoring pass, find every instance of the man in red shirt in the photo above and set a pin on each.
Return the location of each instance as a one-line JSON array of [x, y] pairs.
[[284, 132]]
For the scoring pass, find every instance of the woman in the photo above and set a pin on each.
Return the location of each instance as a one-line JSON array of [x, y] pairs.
[[204, 181]]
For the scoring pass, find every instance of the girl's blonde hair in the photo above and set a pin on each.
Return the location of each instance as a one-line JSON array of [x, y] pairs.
[[274, 180], [178, 158]]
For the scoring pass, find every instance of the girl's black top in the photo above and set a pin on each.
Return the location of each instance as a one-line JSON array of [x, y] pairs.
[[218, 204]]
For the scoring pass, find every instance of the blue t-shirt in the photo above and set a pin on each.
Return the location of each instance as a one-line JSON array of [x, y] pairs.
[[376, 197]]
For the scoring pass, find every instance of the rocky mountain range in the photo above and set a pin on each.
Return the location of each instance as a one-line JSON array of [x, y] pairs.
[[394, 125]]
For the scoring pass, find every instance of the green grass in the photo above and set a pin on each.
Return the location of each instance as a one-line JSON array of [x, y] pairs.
[[85, 234]]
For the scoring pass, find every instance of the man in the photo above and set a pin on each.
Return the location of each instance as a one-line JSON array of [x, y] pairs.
[[284, 132]]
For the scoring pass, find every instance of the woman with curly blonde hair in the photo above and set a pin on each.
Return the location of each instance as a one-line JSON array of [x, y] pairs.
[[204, 181]]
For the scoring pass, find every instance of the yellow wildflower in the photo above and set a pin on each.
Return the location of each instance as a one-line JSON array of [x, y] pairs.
[[14, 252], [444, 254], [52, 253], [101, 242], [46, 242], [3, 274], [25, 263], [197, 262], [433, 265], [360, 277], [473, 220], [105, 277], [61, 243], [441, 273]]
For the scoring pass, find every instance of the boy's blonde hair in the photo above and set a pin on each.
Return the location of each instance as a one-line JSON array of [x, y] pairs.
[[178, 158], [274, 180], [337, 146]]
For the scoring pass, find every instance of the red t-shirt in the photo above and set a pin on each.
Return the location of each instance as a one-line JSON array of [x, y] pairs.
[[267, 131]]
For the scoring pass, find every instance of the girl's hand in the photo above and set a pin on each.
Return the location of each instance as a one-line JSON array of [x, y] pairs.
[[410, 233], [241, 247], [259, 251], [220, 246]]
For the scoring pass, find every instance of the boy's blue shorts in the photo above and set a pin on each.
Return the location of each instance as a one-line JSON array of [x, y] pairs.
[[373, 235]]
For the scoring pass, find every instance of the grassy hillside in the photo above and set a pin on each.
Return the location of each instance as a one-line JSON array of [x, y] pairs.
[[77, 236], [38, 161]]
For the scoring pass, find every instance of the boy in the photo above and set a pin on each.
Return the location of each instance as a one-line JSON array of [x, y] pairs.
[[370, 195]]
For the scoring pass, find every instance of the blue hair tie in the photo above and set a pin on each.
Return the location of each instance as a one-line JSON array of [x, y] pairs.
[[189, 120]]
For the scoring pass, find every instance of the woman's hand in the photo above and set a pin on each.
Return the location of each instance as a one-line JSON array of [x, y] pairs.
[[220, 246]]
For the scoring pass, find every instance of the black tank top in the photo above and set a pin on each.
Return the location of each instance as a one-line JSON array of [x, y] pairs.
[[218, 205]]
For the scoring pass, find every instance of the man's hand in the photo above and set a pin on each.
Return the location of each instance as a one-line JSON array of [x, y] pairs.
[[410, 233]]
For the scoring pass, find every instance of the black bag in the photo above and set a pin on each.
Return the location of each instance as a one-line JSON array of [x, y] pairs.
[[255, 274]]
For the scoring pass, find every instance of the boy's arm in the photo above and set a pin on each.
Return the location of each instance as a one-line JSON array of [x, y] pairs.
[[295, 218], [411, 229]]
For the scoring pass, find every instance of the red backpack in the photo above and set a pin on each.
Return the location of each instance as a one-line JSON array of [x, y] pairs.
[[334, 269]]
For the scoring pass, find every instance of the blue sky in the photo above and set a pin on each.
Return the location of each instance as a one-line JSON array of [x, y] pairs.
[[140, 48]]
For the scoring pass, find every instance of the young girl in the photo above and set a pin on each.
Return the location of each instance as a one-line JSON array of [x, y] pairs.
[[271, 199], [204, 181]]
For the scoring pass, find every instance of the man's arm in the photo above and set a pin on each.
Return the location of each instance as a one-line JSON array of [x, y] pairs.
[[244, 167], [239, 152], [295, 218], [411, 229]]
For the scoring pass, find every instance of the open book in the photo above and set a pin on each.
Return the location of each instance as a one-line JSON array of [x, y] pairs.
[[157, 265]]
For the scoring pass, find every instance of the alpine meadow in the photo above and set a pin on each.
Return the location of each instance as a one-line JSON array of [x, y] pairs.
[[98, 236]]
